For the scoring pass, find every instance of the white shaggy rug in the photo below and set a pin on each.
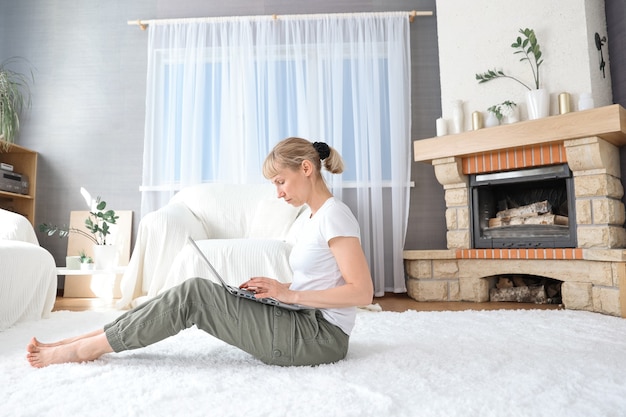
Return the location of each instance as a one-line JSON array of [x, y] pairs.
[[472, 363]]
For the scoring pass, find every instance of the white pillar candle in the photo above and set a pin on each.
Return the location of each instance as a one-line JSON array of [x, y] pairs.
[[442, 128]]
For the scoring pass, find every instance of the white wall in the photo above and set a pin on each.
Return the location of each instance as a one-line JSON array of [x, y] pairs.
[[475, 36]]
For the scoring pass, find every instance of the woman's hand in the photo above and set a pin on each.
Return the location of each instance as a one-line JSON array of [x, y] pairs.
[[264, 287]]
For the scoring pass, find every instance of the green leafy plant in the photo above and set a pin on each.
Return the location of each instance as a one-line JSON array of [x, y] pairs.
[[14, 97], [531, 51], [97, 223], [84, 258], [503, 109]]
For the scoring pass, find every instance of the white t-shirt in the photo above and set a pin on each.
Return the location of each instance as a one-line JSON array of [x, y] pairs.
[[313, 264]]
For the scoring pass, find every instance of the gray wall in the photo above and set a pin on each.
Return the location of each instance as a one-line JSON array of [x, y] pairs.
[[616, 46], [87, 115]]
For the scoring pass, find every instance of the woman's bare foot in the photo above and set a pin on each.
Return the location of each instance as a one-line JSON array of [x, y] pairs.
[[36, 342], [80, 350]]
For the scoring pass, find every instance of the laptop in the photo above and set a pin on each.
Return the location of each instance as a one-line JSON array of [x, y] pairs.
[[240, 292]]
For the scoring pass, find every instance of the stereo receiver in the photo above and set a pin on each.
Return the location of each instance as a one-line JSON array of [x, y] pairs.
[[13, 182]]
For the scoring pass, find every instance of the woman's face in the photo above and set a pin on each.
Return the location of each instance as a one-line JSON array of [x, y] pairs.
[[293, 185]]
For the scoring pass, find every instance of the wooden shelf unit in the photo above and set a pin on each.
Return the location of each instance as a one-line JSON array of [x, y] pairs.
[[24, 162]]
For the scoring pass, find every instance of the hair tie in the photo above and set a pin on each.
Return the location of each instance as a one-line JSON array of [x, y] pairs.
[[322, 149]]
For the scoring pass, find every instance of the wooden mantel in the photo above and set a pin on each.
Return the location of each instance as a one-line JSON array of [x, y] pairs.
[[608, 123]]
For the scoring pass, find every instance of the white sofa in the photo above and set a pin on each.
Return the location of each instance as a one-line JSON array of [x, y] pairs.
[[245, 230], [28, 280]]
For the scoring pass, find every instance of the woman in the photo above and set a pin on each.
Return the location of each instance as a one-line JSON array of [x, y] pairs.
[[330, 273]]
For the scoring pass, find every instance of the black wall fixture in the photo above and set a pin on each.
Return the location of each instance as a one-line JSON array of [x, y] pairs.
[[599, 43]]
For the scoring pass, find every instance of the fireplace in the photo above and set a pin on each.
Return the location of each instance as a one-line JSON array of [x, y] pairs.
[[566, 168], [524, 208]]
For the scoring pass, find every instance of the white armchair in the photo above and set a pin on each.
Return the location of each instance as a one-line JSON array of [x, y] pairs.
[[245, 230], [28, 280]]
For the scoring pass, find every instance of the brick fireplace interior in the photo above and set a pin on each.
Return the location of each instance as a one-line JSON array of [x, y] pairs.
[[590, 264]]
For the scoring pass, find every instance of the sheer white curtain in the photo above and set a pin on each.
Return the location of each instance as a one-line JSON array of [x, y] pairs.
[[222, 91]]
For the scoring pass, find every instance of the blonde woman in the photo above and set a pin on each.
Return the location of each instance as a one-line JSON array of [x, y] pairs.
[[330, 274]]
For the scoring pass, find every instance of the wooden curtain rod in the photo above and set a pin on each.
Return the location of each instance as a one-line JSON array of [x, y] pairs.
[[143, 24]]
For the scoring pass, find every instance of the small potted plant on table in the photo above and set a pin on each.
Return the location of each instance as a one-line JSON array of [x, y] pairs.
[[86, 262]]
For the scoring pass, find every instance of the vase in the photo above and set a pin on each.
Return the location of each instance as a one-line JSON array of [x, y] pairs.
[[585, 102], [538, 102], [491, 120], [458, 117], [106, 256]]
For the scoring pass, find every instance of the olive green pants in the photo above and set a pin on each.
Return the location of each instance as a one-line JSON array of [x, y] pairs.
[[272, 334]]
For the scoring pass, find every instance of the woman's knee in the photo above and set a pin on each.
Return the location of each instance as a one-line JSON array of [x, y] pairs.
[[198, 288], [194, 282]]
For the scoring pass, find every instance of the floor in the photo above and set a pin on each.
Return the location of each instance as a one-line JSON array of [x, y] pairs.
[[390, 302]]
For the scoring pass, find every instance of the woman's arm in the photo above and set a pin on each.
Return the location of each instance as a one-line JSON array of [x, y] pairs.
[[357, 291]]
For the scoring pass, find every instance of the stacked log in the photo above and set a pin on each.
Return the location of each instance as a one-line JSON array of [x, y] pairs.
[[526, 289], [539, 213]]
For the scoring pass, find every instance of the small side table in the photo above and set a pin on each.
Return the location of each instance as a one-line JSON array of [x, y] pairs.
[[92, 283], [61, 270]]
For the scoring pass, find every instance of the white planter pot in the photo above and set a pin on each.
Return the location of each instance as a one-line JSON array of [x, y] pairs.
[[538, 102], [512, 116], [105, 256]]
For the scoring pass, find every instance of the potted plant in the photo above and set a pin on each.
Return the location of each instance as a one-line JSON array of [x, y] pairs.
[[14, 96], [494, 116], [98, 224], [528, 46], [86, 262], [503, 111]]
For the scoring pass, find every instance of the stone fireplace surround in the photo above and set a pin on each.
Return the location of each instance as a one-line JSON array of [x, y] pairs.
[[593, 275]]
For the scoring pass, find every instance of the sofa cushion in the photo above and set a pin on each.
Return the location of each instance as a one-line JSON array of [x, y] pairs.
[[272, 219], [225, 210]]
